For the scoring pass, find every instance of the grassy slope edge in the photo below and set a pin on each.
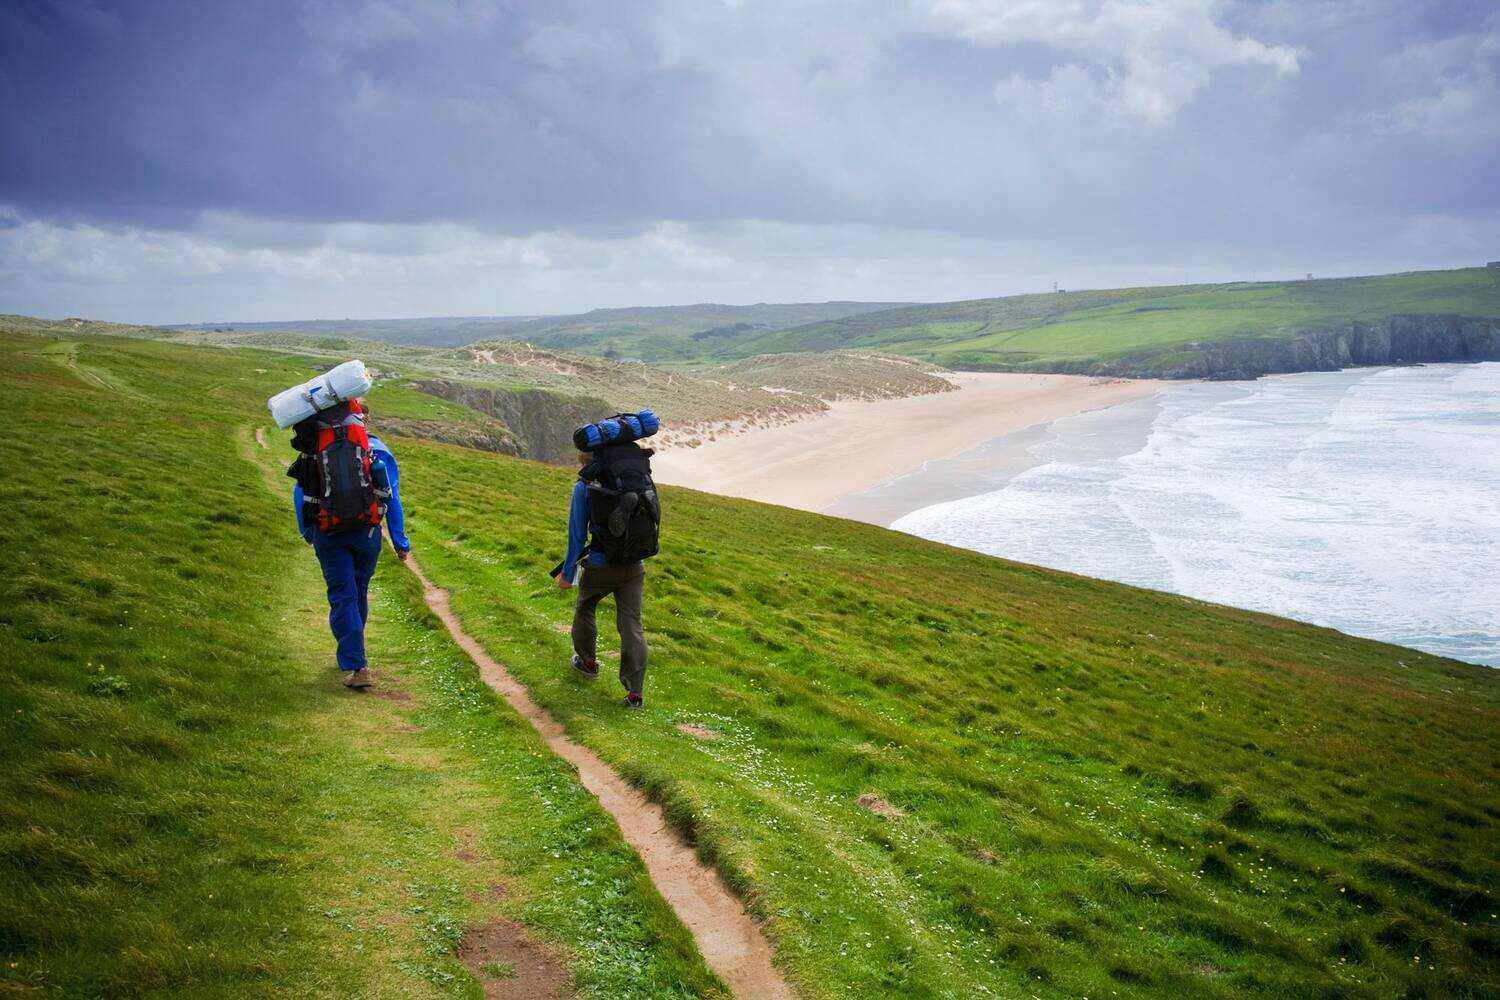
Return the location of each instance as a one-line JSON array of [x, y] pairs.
[[1094, 790], [191, 803]]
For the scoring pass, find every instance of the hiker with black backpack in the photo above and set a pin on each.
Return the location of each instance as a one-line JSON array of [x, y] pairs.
[[614, 522], [347, 483]]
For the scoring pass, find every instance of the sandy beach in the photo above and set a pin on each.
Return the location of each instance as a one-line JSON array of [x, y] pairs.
[[856, 445]]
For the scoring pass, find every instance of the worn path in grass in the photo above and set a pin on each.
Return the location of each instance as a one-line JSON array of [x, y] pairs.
[[190, 802], [730, 941], [505, 958], [530, 969]]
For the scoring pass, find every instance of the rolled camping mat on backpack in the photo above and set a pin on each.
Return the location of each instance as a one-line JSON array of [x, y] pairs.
[[340, 384], [618, 429]]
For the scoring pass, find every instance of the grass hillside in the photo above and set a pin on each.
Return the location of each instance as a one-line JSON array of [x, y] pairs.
[[524, 400], [1069, 330], [190, 804], [765, 388], [940, 774], [932, 773], [648, 333], [678, 333], [428, 331]]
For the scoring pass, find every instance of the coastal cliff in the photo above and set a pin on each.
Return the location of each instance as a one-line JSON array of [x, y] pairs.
[[541, 423], [493, 437], [1395, 340]]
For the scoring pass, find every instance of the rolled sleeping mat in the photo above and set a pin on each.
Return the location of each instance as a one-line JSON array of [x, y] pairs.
[[339, 384], [618, 429], [638, 425]]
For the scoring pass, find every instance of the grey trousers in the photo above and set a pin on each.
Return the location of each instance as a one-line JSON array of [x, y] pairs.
[[628, 584]]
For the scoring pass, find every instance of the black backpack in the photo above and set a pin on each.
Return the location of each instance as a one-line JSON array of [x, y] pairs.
[[624, 510]]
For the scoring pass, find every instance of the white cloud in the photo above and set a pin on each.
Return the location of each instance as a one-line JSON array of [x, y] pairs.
[[545, 150], [1145, 58], [559, 46], [1456, 80], [358, 24], [1454, 111], [220, 272], [1069, 91]]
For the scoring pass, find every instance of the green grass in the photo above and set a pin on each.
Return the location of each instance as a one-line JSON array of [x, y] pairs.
[[676, 334], [798, 384], [1097, 790], [648, 333], [1063, 330], [190, 803], [1105, 791]]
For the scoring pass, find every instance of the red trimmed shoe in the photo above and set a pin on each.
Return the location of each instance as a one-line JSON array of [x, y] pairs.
[[588, 668]]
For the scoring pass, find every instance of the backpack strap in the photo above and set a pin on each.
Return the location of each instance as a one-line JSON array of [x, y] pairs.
[[328, 388]]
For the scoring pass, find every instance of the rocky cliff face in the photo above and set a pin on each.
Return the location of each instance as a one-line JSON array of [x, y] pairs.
[[494, 437], [541, 422], [1394, 340]]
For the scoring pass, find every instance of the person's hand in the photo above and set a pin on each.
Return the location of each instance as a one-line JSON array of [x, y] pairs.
[[563, 582], [402, 554]]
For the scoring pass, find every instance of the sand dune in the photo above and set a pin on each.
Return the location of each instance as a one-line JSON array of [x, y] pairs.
[[856, 445]]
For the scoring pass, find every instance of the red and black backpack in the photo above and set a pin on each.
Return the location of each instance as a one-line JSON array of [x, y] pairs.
[[334, 469]]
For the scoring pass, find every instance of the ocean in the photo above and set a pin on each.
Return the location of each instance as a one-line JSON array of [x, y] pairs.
[[1367, 500]]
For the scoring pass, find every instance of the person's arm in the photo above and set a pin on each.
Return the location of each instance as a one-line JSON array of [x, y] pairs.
[[395, 517], [578, 533], [302, 527]]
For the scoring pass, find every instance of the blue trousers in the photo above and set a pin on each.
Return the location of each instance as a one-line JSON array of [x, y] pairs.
[[348, 562]]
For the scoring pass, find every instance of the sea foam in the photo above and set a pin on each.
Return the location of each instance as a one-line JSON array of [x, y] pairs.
[[1367, 500]]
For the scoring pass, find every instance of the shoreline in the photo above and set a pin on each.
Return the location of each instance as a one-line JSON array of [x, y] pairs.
[[990, 466], [855, 446]]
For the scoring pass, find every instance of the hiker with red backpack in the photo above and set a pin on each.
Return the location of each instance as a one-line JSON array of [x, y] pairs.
[[347, 483], [614, 524]]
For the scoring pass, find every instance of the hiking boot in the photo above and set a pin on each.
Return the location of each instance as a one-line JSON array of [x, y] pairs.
[[588, 668], [634, 700], [358, 680]]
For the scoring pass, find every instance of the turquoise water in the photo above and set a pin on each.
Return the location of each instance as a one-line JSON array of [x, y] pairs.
[[1367, 500]]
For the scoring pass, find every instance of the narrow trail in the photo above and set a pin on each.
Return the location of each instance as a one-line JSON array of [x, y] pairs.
[[262, 459], [729, 939]]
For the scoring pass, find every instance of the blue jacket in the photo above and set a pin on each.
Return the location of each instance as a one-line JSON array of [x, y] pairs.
[[578, 533], [395, 518]]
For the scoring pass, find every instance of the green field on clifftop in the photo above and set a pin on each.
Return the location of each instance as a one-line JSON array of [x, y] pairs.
[[1066, 330], [1135, 331], [932, 773]]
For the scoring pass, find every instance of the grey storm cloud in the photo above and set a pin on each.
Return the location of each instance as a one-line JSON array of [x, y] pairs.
[[1145, 131]]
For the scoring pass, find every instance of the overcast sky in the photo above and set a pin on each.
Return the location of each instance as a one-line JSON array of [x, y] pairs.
[[190, 161]]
